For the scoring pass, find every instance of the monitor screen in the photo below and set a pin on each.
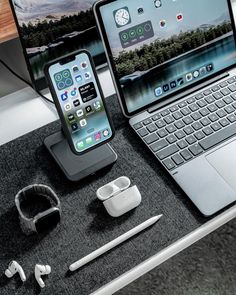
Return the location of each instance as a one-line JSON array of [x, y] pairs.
[[52, 28], [160, 47]]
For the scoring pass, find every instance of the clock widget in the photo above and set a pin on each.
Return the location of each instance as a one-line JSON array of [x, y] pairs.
[[122, 17]]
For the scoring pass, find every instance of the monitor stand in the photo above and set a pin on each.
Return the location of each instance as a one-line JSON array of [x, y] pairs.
[[77, 167]]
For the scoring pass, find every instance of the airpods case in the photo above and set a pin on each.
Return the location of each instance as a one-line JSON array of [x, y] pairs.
[[118, 197]]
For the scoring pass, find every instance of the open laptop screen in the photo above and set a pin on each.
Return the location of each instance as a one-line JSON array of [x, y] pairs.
[[160, 47]]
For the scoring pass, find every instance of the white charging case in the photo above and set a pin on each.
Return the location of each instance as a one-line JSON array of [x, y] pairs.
[[118, 197]]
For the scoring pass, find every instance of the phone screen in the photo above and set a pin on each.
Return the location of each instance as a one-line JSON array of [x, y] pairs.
[[81, 103]]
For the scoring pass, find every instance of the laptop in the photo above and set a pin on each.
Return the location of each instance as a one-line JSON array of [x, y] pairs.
[[173, 66]]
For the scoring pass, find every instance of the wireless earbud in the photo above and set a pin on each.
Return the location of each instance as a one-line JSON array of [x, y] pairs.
[[13, 268], [41, 270]]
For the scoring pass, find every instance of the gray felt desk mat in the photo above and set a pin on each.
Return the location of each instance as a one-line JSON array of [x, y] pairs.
[[85, 225]]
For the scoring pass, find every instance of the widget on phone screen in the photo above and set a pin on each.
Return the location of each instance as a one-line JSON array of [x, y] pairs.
[[140, 10], [71, 117], [84, 65], [106, 133], [80, 145], [179, 17], [98, 136], [89, 140], [88, 92], [87, 75], [97, 105], [63, 79], [64, 96], [157, 3], [74, 92], [88, 109], [163, 23], [75, 69], [79, 78]]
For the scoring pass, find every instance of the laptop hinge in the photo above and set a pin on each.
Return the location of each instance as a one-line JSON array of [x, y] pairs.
[[186, 93]]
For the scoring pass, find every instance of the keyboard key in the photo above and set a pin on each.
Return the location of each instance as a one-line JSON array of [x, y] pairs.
[[223, 84], [207, 92], [186, 155], [215, 88], [221, 113], [190, 139], [151, 128], [162, 133], [228, 100], [171, 139], [169, 119], [169, 151], [177, 159], [143, 132], [233, 96], [171, 128], [234, 105], [157, 146], [220, 104], [169, 164], [213, 117], [196, 149], [188, 130], [160, 123], [210, 99], [204, 112], [179, 124], [147, 122], [217, 95], [225, 91], [199, 135], [229, 109], [191, 100], [212, 108], [224, 122], [216, 126], [180, 134], [182, 144], [199, 96], [156, 117], [151, 138], [138, 126], [201, 103], [165, 113], [197, 126], [182, 104], [232, 88], [218, 137], [174, 109], [177, 115], [207, 131], [188, 120], [194, 107], [231, 80], [185, 111], [205, 121], [196, 116], [231, 118]]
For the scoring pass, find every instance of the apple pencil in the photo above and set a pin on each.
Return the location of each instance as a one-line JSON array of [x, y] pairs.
[[74, 266]]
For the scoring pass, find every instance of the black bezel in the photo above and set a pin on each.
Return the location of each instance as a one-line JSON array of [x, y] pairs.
[[40, 84], [57, 103], [49, 221], [96, 8]]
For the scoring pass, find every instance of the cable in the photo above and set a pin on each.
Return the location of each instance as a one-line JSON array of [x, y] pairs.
[[26, 82]]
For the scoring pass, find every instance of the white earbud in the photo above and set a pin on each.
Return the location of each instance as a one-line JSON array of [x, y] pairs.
[[41, 270], [13, 268]]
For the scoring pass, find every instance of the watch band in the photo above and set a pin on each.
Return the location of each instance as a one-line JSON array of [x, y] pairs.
[[37, 190]]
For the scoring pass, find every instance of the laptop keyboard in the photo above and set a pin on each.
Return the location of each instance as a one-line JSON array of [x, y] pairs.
[[178, 134]]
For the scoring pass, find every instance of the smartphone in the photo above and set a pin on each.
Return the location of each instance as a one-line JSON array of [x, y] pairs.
[[79, 100]]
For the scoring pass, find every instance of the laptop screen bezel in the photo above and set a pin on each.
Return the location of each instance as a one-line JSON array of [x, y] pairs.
[[97, 6]]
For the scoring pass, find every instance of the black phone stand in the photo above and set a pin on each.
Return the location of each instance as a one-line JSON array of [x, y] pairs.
[[77, 167]]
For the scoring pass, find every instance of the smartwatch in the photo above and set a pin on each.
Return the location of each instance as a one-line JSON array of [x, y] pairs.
[[39, 208]]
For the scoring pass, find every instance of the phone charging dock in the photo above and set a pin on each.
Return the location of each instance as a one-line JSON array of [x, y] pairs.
[[77, 167]]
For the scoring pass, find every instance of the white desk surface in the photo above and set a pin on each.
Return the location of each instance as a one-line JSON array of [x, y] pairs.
[[31, 112]]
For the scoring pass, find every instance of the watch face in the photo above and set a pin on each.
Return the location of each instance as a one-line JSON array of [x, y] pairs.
[[122, 17], [49, 221]]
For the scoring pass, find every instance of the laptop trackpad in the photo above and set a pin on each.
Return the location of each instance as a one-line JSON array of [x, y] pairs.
[[224, 161]]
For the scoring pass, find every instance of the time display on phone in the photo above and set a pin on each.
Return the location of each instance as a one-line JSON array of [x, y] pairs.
[[80, 102]]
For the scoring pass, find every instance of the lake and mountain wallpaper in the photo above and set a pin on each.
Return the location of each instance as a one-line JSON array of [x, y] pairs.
[[53, 28]]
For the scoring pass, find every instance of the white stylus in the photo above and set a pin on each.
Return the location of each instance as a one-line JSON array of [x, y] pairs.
[[114, 243]]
